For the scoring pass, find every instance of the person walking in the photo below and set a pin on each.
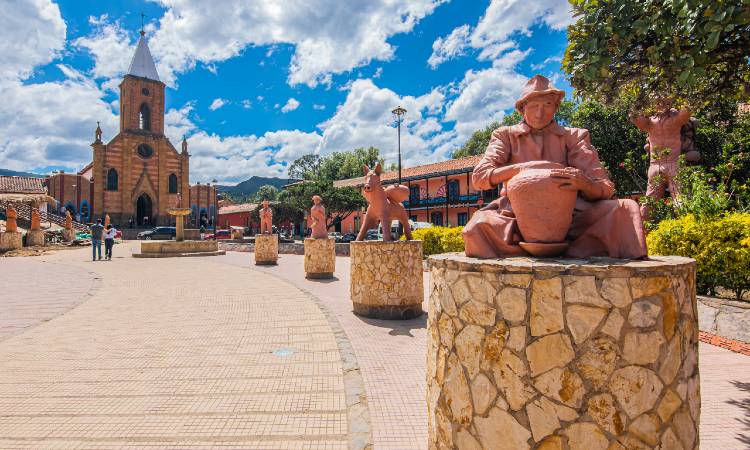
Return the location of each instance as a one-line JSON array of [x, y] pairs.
[[96, 238], [109, 241], [203, 232]]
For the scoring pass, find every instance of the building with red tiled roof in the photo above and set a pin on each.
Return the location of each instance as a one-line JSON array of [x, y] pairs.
[[22, 185], [439, 193]]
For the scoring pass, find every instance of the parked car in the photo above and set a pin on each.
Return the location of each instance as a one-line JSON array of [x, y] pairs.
[[220, 234], [335, 235], [418, 225], [347, 238], [158, 233], [372, 235]]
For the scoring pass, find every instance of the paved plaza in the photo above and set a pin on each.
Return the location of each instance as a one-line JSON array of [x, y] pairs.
[[216, 352]]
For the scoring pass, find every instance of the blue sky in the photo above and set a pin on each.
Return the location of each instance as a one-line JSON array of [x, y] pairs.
[[254, 85]]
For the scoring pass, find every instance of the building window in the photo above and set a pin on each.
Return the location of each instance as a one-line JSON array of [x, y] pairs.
[[437, 219], [144, 119], [414, 195], [111, 180], [462, 219], [145, 151], [453, 188], [356, 225], [413, 218], [172, 184]]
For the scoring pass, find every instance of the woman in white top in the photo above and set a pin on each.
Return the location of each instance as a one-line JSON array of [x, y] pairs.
[[109, 241]]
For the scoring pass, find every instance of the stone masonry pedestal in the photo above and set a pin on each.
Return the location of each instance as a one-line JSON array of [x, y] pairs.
[[10, 240], [266, 249], [69, 235], [35, 238], [320, 258], [386, 279], [594, 354]]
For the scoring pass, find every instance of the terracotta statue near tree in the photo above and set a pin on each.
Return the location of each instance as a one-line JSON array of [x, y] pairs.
[[664, 148], [318, 215], [385, 205], [10, 220], [36, 220], [266, 219], [563, 160]]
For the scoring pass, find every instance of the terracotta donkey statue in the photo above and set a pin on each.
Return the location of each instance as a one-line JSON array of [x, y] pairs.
[[385, 205]]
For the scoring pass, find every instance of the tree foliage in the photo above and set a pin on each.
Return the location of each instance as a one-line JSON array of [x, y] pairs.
[[266, 192], [339, 202], [336, 166], [305, 168], [688, 51]]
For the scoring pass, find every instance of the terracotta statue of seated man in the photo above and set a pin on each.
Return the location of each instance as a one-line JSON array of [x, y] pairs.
[[601, 225]]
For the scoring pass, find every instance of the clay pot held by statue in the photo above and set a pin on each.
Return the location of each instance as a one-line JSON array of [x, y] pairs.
[[543, 211]]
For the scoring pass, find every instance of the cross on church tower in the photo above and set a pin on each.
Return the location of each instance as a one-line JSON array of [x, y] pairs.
[[143, 16]]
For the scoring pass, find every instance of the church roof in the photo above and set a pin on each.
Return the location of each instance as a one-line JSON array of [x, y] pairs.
[[142, 64]]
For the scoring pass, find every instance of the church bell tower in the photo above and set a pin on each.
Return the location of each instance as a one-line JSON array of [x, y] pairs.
[[142, 94]]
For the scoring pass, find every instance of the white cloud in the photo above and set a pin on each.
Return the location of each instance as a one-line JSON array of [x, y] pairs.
[[217, 103], [32, 33], [329, 36], [378, 73], [290, 105], [110, 46], [546, 62], [319, 107], [449, 47]]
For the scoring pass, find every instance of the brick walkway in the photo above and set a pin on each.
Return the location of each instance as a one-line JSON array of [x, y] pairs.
[[194, 367], [178, 353]]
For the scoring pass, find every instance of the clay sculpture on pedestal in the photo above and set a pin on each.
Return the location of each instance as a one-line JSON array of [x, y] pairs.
[[36, 220], [318, 215], [384, 205], [266, 219], [10, 220], [599, 224]]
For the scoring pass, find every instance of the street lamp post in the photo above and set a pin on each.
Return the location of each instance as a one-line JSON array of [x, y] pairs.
[[399, 113], [216, 206]]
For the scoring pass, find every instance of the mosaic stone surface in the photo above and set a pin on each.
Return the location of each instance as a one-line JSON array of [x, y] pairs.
[[266, 249], [552, 354], [320, 258]]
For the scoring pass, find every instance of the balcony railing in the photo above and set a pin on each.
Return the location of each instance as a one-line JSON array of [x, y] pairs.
[[435, 201]]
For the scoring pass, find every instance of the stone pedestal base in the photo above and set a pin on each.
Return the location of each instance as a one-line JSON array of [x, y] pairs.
[[173, 249], [35, 238], [590, 354], [10, 240], [69, 235], [320, 258], [266, 249], [386, 279]]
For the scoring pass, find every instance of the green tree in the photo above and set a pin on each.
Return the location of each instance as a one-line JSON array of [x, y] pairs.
[[687, 51], [266, 192], [340, 203], [305, 168]]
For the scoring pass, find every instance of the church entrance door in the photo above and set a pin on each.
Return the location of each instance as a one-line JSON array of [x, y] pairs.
[[143, 211]]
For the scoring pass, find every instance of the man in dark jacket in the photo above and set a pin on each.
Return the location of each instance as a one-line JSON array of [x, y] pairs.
[[96, 238]]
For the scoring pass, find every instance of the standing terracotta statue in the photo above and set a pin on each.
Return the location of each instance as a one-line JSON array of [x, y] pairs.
[[599, 225], [664, 149], [385, 205], [106, 220], [68, 221], [10, 220], [266, 219], [318, 215], [36, 220]]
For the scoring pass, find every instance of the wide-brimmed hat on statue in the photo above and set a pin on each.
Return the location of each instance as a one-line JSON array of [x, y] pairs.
[[536, 86]]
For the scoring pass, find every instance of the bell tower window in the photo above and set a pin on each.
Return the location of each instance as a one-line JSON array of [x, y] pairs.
[[144, 118]]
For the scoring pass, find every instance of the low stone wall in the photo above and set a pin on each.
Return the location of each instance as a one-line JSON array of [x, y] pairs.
[[320, 258], [284, 248], [10, 240], [178, 247], [266, 249], [726, 318], [591, 354], [386, 279], [35, 238]]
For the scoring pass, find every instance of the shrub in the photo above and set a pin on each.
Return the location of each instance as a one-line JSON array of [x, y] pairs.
[[440, 239], [720, 246]]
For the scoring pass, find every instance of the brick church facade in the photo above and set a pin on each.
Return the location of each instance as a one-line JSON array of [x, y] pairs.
[[139, 174]]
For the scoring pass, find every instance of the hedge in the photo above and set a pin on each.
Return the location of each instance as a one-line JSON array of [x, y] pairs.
[[720, 246], [439, 239]]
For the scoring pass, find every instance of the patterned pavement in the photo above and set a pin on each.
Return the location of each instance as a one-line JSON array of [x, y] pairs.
[[217, 353]]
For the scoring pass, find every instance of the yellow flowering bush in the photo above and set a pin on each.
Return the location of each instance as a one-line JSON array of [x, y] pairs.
[[720, 246], [439, 239]]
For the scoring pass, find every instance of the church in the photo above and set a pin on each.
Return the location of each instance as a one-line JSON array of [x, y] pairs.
[[138, 175]]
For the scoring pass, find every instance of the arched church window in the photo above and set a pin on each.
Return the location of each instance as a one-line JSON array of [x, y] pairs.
[[144, 120], [172, 184], [111, 180]]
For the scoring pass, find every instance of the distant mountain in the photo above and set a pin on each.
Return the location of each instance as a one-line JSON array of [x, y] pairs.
[[13, 173], [250, 186]]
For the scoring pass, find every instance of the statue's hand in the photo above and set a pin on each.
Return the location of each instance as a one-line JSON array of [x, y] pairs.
[[571, 179]]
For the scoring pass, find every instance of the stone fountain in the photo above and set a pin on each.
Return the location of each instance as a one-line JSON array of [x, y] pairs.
[[178, 247]]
